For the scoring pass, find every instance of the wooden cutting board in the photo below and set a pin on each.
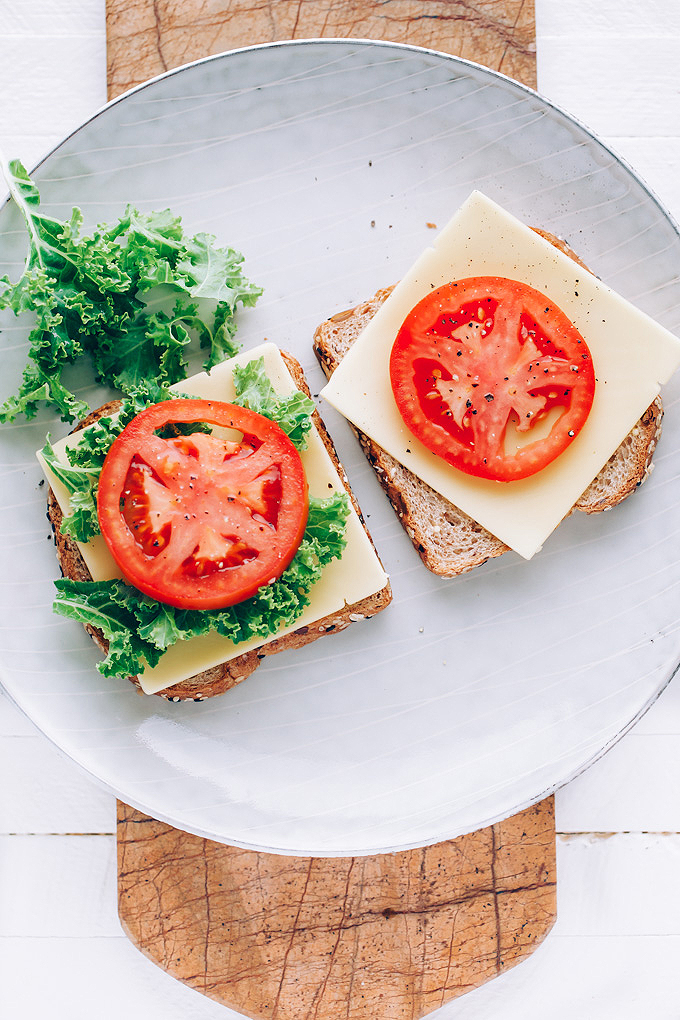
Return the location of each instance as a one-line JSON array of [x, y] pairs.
[[388, 937]]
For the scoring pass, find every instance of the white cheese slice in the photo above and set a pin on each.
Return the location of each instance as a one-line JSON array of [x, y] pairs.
[[356, 575], [632, 356]]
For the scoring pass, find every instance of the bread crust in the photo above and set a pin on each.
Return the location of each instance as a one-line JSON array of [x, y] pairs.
[[448, 541], [212, 682], [628, 467]]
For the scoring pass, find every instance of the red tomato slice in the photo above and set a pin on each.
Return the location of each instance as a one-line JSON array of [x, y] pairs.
[[491, 376], [202, 521]]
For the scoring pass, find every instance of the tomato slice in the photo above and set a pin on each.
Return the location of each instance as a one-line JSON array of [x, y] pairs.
[[492, 376], [201, 521]]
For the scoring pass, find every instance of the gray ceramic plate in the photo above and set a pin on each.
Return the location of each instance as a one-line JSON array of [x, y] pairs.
[[468, 699]]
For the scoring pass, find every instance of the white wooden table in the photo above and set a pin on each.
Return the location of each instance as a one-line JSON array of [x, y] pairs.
[[615, 64]]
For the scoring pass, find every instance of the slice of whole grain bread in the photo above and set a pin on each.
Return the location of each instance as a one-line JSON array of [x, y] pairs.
[[448, 541], [222, 677]]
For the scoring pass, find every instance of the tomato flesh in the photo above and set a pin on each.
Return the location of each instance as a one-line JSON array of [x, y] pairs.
[[201, 521], [492, 376]]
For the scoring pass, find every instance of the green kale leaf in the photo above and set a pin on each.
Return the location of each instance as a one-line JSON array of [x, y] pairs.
[[80, 476], [88, 295], [104, 605], [292, 413], [140, 629], [81, 522]]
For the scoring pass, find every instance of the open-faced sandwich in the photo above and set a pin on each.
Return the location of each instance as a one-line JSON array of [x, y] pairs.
[[203, 523], [496, 388], [207, 531]]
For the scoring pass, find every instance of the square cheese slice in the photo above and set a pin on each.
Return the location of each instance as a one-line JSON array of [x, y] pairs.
[[356, 575], [632, 356]]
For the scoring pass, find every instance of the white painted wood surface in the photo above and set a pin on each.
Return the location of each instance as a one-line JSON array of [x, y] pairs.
[[615, 64]]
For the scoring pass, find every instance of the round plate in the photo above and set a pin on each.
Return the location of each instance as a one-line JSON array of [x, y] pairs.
[[325, 163]]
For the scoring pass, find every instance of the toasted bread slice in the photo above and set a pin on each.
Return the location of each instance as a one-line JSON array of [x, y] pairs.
[[218, 679], [448, 541]]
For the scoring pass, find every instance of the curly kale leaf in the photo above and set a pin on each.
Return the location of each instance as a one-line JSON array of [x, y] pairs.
[[80, 475], [87, 294], [292, 413], [140, 629]]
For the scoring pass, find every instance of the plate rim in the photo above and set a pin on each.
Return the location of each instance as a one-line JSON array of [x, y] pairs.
[[377, 44]]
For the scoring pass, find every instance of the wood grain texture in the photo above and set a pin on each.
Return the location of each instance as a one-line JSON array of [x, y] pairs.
[[147, 37], [393, 936]]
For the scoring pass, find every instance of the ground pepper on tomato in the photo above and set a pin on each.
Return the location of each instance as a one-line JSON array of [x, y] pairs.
[[202, 521], [492, 376]]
